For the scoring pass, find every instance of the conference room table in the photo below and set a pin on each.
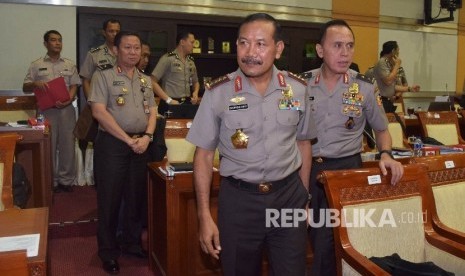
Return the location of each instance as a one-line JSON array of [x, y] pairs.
[[16, 222]]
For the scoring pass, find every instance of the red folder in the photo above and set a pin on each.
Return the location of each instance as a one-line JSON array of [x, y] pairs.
[[56, 91]]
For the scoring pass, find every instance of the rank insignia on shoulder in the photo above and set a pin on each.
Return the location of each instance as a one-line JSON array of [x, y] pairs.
[[216, 82], [189, 57], [306, 75], [297, 78], [364, 78], [173, 53], [93, 50]]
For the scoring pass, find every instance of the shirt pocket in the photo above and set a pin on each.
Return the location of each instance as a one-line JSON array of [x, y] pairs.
[[66, 73], [238, 120], [288, 118], [43, 73], [287, 121]]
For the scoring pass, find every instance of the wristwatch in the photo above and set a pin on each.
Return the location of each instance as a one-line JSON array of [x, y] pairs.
[[168, 101], [389, 152], [150, 136]]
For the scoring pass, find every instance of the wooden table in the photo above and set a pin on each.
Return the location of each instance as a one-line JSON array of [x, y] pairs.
[[34, 153], [174, 247], [14, 222]]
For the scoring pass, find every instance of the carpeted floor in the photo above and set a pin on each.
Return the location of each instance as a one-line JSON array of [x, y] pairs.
[[72, 241]]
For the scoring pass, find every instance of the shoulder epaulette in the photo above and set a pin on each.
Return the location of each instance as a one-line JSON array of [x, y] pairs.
[[297, 78], [93, 50], [364, 78], [173, 53], [218, 81], [190, 57], [104, 66], [306, 75]]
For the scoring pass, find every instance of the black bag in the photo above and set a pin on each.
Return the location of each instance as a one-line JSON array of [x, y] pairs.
[[86, 127], [431, 141], [398, 267], [157, 149], [21, 186]]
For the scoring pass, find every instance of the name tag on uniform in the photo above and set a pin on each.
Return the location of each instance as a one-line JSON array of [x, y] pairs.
[[43, 69], [311, 98], [118, 83], [238, 107]]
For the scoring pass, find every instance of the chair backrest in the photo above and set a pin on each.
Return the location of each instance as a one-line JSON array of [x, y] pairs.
[[179, 149], [447, 178], [7, 150], [442, 126], [399, 216], [13, 263], [397, 134], [400, 105]]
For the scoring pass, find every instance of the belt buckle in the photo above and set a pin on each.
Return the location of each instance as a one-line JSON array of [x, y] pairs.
[[265, 187], [319, 159]]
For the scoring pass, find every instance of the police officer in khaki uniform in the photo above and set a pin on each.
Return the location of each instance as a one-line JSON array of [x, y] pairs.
[[101, 57], [122, 101], [258, 119], [62, 116], [341, 100], [178, 75]]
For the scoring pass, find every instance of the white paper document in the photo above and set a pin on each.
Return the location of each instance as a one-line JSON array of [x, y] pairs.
[[28, 242]]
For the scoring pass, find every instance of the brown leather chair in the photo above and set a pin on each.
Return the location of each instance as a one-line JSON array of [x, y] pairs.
[[447, 178], [442, 126], [7, 150], [13, 263], [401, 220]]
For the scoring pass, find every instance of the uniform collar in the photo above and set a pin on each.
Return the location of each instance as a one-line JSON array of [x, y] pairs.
[[345, 79], [107, 49], [48, 58], [241, 83]]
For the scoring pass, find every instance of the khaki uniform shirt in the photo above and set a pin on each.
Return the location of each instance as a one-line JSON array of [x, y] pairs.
[[232, 104], [43, 69], [100, 57], [176, 76], [331, 111], [110, 84], [381, 70]]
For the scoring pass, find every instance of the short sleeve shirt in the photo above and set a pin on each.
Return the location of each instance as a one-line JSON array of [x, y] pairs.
[[100, 57], [332, 110], [381, 70], [233, 105], [44, 69], [176, 76], [110, 84]]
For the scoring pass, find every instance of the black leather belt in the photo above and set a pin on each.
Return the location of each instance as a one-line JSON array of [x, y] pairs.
[[321, 159], [263, 187]]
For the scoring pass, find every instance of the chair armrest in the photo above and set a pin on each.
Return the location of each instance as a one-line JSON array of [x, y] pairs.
[[448, 232], [360, 263], [450, 246]]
